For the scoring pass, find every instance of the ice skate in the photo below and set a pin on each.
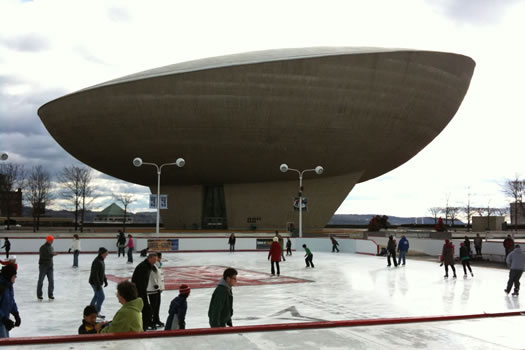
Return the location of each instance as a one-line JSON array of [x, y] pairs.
[[471, 274], [446, 276], [465, 276], [515, 294], [454, 276], [506, 291]]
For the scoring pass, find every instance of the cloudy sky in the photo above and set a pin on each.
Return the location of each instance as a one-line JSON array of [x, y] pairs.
[[49, 48]]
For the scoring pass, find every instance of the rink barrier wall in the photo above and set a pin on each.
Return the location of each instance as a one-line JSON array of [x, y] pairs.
[[90, 245], [247, 329]]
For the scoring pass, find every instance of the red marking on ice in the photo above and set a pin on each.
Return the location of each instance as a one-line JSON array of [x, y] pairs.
[[209, 276]]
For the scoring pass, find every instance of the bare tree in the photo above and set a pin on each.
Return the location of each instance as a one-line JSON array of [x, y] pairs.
[[125, 200], [446, 210], [87, 191], [515, 189], [11, 177], [38, 193], [453, 212], [76, 184], [435, 212], [468, 210]]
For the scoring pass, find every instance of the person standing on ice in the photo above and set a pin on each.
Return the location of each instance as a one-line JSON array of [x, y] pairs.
[[231, 242], [465, 257], [288, 246], [391, 250], [141, 279], [7, 301], [334, 244], [275, 254], [45, 267], [121, 244], [516, 263], [7, 246], [130, 246], [221, 304], [97, 278], [478, 241], [75, 247], [309, 257], [177, 312], [447, 257], [402, 248]]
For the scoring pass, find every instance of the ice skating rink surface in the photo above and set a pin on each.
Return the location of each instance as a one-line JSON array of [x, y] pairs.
[[340, 287]]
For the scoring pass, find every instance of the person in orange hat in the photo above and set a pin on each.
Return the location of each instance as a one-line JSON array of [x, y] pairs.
[[45, 265]]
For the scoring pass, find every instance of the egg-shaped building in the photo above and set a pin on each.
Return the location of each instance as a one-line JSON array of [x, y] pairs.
[[358, 112]]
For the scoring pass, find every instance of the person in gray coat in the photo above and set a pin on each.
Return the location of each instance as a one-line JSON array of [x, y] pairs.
[[516, 263], [45, 267]]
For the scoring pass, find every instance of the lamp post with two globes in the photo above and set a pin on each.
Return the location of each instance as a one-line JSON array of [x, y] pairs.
[[138, 163], [4, 156], [318, 170]]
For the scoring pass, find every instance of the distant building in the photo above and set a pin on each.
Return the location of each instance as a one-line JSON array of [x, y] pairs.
[[521, 214], [113, 214], [487, 223], [11, 200]]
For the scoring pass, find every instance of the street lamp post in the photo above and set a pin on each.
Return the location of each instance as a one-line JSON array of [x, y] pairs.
[[4, 156], [318, 170], [138, 163]]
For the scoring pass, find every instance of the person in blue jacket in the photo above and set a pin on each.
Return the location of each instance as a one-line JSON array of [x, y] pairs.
[[402, 248], [7, 301], [178, 307]]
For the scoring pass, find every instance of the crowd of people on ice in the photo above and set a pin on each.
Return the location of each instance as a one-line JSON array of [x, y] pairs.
[[141, 296]]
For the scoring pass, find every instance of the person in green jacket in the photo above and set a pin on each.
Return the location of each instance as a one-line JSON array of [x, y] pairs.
[[129, 317], [309, 257], [221, 304]]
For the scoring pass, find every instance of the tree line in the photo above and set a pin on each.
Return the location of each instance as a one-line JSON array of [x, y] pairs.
[[72, 183]]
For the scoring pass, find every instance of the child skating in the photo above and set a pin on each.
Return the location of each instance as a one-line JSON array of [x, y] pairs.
[[308, 257]]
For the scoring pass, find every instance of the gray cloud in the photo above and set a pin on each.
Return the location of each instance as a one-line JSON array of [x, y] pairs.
[[118, 14], [477, 12], [30, 42]]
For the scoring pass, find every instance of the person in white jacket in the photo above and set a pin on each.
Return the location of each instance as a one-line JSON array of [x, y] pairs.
[[155, 288], [75, 247]]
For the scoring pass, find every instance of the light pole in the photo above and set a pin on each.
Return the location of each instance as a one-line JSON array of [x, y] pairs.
[[318, 170], [4, 156], [138, 163]]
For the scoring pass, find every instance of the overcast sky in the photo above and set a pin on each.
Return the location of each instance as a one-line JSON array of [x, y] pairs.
[[51, 48]]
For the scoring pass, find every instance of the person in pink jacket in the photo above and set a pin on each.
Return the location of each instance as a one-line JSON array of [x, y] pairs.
[[130, 246], [275, 255]]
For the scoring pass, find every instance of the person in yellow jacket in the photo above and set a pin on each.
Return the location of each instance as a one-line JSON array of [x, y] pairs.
[[129, 317]]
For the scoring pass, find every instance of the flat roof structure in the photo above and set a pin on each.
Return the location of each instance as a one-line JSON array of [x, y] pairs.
[[358, 112]]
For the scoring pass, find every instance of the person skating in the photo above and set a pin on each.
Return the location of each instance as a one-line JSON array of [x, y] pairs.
[[75, 247], [516, 263], [221, 304], [178, 308], [281, 243], [275, 255], [121, 244], [130, 246], [97, 279], [45, 267], [334, 244], [7, 301], [127, 318], [288, 246], [155, 288], [231, 242], [308, 257], [465, 257], [508, 244], [7, 246], [402, 248], [447, 257], [467, 245], [478, 241], [391, 251], [141, 279]]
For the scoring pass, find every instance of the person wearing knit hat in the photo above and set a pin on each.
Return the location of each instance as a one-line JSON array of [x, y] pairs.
[[45, 266], [178, 307], [97, 278], [8, 304]]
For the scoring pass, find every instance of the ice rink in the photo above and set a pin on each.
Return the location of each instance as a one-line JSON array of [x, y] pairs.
[[340, 287]]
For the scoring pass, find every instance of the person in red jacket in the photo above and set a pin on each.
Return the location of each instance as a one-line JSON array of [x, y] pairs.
[[275, 255]]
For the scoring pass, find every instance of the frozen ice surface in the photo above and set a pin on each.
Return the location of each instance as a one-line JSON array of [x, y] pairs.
[[341, 287]]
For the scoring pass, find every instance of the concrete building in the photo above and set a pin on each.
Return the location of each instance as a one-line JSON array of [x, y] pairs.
[[517, 216], [358, 112], [487, 223]]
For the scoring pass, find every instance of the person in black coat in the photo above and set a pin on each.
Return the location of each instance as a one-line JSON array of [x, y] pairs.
[[141, 279], [97, 278], [7, 246]]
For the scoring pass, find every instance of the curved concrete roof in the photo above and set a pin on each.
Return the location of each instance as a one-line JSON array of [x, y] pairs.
[[236, 118]]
